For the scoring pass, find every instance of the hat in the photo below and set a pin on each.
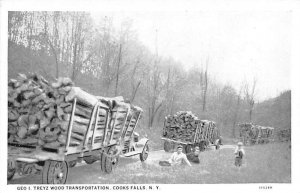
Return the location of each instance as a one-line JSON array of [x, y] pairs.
[[240, 144]]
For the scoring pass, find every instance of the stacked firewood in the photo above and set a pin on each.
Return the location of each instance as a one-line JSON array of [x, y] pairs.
[[39, 112], [209, 131], [252, 133], [181, 126]]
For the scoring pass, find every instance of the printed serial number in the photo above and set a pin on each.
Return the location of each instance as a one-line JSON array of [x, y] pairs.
[[265, 187]]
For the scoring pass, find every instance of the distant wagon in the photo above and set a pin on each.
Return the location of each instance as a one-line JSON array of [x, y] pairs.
[[254, 134], [186, 129]]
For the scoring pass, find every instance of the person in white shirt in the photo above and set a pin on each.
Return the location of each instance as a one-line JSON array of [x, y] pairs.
[[178, 158], [239, 154]]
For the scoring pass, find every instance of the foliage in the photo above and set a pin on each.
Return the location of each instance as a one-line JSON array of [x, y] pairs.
[[109, 60]]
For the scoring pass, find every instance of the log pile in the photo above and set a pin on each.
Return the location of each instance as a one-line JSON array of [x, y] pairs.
[[209, 131], [181, 126], [251, 133], [39, 112]]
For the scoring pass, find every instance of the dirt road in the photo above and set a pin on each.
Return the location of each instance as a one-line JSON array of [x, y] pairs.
[[77, 174]]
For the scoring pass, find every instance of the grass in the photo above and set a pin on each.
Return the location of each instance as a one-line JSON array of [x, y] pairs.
[[268, 163]]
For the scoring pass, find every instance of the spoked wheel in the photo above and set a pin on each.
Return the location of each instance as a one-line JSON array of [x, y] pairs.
[[11, 169], [167, 146], [55, 172], [145, 152], [109, 160], [72, 163]]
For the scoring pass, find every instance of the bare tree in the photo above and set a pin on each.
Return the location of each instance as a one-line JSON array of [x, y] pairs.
[[154, 88], [154, 91], [204, 85], [250, 96], [118, 70], [135, 86], [236, 112]]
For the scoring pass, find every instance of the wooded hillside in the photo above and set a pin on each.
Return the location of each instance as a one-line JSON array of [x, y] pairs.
[[109, 61]]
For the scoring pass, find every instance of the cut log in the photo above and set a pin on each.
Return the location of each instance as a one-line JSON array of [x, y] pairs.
[[23, 121], [22, 131], [65, 105], [74, 138], [13, 115], [12, 129], [37, 91], [44, 122], [33, 128], [52, 145], [50, 113], [60, 113], [80, 111], [78, 128], [81, 96], [13, 83], [28, 94], [78, 119], [39, 98], [39, 112], [181, 126], [60, 99]]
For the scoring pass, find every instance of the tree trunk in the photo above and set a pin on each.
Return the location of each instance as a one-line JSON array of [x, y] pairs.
[[118, 68]]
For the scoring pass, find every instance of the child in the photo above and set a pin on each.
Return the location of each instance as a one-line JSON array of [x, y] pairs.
[[239, 154]]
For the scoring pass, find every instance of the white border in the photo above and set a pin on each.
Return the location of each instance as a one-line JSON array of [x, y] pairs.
[[167, 5]]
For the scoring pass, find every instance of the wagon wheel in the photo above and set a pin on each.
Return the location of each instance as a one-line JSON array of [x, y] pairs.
[[11, 169], [145, 153], [72, 163], [55, 172], [109, 160], [188, 148], [89, 159], [167, 146]]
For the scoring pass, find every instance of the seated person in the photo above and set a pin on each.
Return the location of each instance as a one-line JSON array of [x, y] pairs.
[[194, 156], [177, 158]]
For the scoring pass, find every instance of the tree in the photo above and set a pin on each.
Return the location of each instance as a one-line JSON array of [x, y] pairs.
[[204, 85], [250, 96], [236, 112]]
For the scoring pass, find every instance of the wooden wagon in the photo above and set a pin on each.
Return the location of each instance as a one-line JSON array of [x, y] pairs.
[[110, 133], [206, 135], [251, 134]]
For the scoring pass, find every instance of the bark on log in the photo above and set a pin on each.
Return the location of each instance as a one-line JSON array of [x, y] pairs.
[[78, 128], [80, 111], [77, 119], [81, 96], [39, 112]]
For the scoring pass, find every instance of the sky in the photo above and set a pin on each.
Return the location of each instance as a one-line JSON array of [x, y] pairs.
[[239, 45]]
